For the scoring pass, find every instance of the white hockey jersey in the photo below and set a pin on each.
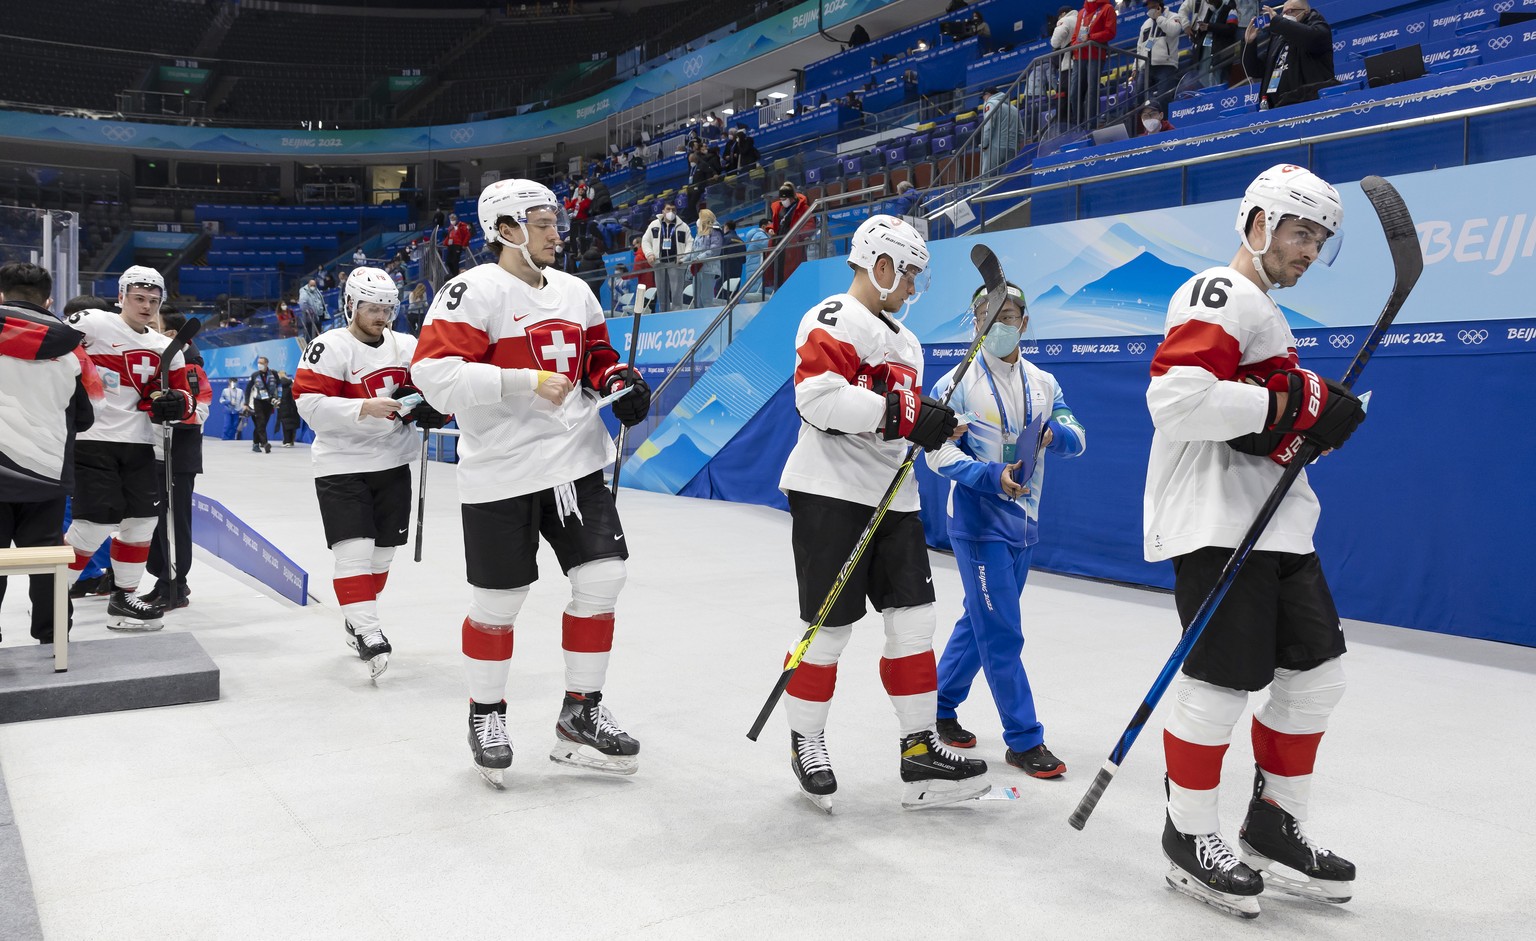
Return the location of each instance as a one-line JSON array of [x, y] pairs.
[[338, 371], [846, 359], [129, 364], [1200, 491], [487, 321]]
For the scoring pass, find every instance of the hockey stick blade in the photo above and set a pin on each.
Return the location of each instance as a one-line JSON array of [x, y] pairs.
[[992, 277], [1408, 264]]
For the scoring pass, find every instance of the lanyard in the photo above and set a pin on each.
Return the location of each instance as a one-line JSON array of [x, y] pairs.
[[1001, 410]]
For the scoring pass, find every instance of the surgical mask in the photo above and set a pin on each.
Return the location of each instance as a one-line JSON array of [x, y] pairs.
[[1152, 124], [669, 215], [1002, 340], [786, 202], [1290, 16]]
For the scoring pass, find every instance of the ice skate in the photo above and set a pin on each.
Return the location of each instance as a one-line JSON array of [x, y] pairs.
[[812, 765], [128, 612], [1274, 844], [935, 775], [488, 741], [586, 737], [954, 735], [1205, 868], [373, 648]]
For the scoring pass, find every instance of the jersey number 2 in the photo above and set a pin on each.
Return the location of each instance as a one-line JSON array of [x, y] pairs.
[[828, 314]]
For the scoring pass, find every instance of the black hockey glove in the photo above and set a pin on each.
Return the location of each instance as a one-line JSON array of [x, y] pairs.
[[422, 413], [924, 421], [1319, 409], [172, 406], [632, 408]]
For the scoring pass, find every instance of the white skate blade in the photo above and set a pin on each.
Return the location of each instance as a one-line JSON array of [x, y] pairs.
[[1282, 878], [921, 795], [377, 666], [492, 776], [129, 625], [822, 802], [588, 758], [1243, 906]]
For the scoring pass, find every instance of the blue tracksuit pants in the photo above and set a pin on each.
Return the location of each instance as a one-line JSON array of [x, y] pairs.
[[989, 637]]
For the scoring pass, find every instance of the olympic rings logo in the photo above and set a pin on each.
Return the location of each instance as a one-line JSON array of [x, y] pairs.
[[1137, 348], [1416, 27], [1053, 349], [461, 135], [1229, 101], [1471, 337], [1500, 42], [119, 132], [693, 66], [1340, 341], [1504, 7]]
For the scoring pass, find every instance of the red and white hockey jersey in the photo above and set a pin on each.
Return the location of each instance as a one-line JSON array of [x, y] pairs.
[[846, 359], [129, 364], [486, 322], [1200, 491], [338, 371]]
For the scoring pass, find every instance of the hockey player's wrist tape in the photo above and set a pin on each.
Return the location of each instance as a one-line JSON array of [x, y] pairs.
[[523, 380]]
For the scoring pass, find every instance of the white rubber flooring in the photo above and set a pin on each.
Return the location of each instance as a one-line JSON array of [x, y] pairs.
[[309, 803]]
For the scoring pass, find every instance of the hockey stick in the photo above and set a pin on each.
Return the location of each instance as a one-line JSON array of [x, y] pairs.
[[634, 344], [421, 491], [1408, 263], [172, 592], [992, 276]]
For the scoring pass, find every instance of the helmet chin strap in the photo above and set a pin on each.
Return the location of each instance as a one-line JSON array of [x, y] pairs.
[[523, 247], [884, 292], [1258, 256]]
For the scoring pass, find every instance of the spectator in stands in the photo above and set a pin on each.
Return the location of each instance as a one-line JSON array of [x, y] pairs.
[[1061, 40], [578, 206], [852, 100], [707, 244], [644, 279], [789, 209], [757, 241], [1152, 120], [621, 289], [288, 410], [746, 149], [263, 392], [602, 199], [732, 256], [591, 268], [416, 307], [907, 199], [285, 320], [330, 279], [1095, 24], [233, 401], [665, 242], [1212, 29], [859, 36], [311, 309], [978, 27], [1158, 41], [359, 258], [999, 130], [457, 240], [1293, 58], [45, 383]]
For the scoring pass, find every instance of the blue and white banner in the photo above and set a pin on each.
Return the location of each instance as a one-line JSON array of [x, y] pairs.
[[238, 362], [227, 536]]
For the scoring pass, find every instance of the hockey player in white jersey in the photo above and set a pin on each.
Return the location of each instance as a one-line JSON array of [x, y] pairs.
[[1229, 404], [117, 492], [353, 387], [519, 351], [858, 389]]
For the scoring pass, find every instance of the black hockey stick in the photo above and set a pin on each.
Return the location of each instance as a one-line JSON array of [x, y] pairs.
[[171, 593], [421, 491], [992, 276], [1408, 263], [634, 344]]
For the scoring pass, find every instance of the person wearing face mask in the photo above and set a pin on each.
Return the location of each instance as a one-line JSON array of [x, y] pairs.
[[996, 470], [666, 240], [787, 210], [1292, 57], [263, 393], [859, 395], [1151, 120], [1158, 41]]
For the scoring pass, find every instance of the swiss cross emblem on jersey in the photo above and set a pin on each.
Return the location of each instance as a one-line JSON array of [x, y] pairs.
[[557, 345], [141, 369], [886, 377], [382, 383]]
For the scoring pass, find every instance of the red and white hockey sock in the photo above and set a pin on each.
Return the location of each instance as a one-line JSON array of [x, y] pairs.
[[382, 556], [487, 641], [130, 551], [587, 642], [1194, 743], [808, 697], [908, 668], [353, 581], [86, 537], [1288, 729]]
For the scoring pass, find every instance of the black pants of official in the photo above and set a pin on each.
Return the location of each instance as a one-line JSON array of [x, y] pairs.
[[263, 411], [28, 525], [181, 522], [455, 256]]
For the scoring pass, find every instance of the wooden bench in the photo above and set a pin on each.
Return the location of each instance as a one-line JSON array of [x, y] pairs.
[[41, 560]]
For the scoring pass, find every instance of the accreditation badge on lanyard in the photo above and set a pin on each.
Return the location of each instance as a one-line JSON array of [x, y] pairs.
[[1010, 434]]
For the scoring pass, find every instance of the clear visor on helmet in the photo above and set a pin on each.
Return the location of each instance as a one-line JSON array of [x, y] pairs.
[[373, 308], [921, 279], [1296, 233], [544, 217]]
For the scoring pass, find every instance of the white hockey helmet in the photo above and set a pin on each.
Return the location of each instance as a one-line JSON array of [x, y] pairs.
[[515, 199], [139, 275], [368, 286], [1288, 190], [887, 235]]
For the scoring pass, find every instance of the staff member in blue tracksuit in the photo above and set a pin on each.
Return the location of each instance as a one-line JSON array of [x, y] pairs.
[[994, 506]]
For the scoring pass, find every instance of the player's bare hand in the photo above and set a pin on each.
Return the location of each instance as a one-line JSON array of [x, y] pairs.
[[1011, 488], [1251, 34], [554, 389], [1048, 437], [959, 431], [379, 408]]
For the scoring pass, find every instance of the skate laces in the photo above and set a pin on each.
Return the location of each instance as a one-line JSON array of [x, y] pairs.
[[373, 638], [937, 745], [491, 729], [603, 724], [812, 750], [1212, 852], [1307, 841]]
